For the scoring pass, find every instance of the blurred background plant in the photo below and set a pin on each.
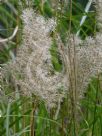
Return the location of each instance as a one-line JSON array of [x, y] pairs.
[[29, 116]]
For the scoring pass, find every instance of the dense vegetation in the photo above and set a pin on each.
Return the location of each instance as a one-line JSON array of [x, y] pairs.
[[29, 116]]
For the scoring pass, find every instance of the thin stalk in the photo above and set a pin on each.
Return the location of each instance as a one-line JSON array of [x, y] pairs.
[[72, 75], [95, 106], [8, 119], [50, 125], [32, 120], [24, 119], [42, 6]]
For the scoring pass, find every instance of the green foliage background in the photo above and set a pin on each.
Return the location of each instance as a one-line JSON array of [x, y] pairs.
[[19, 117]]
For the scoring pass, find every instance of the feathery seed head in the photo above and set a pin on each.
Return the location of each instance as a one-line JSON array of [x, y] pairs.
[[31, 70]]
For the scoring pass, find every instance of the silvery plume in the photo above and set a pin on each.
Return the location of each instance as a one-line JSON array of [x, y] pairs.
[[83, 58], [32, 70]]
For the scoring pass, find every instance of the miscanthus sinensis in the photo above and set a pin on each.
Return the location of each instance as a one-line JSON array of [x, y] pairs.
[[32, 70]]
